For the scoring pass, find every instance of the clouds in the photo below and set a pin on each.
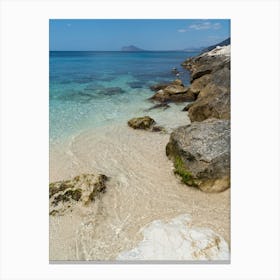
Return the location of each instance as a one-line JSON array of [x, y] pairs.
[[202, 25], [182, 30]]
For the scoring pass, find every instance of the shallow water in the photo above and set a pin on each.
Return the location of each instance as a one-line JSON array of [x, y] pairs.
[[92, 89], [142, 188], [89, 134]]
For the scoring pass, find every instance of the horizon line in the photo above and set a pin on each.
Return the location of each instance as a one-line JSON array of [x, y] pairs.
[[125, 51]]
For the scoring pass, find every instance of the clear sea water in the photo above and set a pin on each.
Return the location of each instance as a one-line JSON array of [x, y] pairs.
[[93, 89]]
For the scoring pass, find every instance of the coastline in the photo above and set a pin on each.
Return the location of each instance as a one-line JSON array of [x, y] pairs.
[[142, 189]]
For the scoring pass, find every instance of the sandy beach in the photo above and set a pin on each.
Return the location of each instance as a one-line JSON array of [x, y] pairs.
[[142, 188]]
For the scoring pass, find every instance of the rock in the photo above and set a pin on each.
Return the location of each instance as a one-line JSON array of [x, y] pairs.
[[177, 239], [178, 82], [83, 189], [158, 87], [135, 84], [174, 93], [157, 128], [201, 154], [145, 122], [210, 84], [163, 106], [174, 71], [186, 108], [111, 91]]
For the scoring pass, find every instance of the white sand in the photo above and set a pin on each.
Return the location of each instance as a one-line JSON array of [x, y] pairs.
[[142, 189]]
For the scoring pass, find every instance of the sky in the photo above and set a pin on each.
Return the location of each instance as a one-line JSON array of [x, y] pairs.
[[156, 34]]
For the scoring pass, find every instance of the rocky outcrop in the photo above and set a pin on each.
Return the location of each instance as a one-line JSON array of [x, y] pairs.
[[83, 189], [210, 83], [220, 44], [173, 92], [201, 154]]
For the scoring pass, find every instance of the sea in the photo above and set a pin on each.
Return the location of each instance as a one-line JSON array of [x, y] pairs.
[[90, 89], [146, 212]]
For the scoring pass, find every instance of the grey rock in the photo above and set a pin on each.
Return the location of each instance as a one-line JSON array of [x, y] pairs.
[[201, 154], [210, 83]]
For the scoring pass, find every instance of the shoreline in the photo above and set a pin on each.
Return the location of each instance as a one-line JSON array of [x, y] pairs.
[[142, 191], [142, 188]]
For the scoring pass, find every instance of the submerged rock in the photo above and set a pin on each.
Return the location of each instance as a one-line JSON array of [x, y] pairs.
[[76, 96], [163, 106], [85, 188], [145, 122], [210, 83], [201, 154], [135, 84], [111, 91]]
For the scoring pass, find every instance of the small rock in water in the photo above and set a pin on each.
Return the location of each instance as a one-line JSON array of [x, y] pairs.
[[163, 105], [111, 91], [135, 84], [145, 122], [158, 128]]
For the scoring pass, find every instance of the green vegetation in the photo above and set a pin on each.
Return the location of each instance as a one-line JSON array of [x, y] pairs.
[[185, 175]]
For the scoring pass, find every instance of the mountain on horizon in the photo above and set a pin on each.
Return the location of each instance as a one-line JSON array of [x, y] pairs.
[[131, 48]]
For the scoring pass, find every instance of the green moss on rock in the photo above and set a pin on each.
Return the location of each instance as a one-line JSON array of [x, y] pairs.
[[185, 175]]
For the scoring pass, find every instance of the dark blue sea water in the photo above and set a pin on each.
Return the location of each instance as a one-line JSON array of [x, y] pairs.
[[90, 89]]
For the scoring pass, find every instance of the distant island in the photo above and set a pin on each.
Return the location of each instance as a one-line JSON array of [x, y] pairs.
[[226, 42], [131, 48]]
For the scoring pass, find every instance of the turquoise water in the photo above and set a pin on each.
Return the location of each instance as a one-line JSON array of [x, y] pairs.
[[92, 89]]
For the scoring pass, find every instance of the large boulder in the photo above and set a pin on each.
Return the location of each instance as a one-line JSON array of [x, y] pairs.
[[201, 154], [210, 83], [65, 195]]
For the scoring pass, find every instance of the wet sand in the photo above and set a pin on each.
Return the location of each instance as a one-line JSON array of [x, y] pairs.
[[142, 188]]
